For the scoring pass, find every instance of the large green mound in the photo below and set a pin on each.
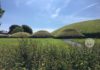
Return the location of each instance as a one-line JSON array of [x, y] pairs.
[[90, 26]]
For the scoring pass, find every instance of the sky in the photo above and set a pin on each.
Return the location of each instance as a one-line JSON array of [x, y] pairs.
[[48, 14]]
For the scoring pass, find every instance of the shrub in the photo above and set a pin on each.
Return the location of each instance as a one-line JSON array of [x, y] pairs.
[[42, 34], [27, 29], [20, 35], [17, 29]]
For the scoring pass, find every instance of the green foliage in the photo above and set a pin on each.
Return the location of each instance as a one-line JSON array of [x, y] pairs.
[[48, 54], [91, 26], [12, 27], [27, 53], [17, 29], [42, 34], [1, 12], [20, 35], [27, 29]]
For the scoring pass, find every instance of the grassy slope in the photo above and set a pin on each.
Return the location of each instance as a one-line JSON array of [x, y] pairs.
[[90, 26]]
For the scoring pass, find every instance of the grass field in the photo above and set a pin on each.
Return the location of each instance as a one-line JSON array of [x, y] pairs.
[[38, 41], [46, 54], [14, 53]]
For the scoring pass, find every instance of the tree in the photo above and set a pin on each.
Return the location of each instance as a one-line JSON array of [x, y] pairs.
[[12, 27], [1, 12], [27, 29], [17, 29]]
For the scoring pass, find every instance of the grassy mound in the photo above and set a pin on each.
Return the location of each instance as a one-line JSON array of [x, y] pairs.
[[69, 33], [42, 34], [85, 27], [20, 35]]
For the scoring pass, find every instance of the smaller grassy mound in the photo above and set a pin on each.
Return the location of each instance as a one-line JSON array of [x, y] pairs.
[[42, 34], [66, 33], [20, 35]]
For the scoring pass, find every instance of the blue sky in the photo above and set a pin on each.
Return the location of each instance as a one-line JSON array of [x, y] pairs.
[[48, 14]]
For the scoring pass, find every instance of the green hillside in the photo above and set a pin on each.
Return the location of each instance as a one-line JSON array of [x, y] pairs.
[[90, 26]]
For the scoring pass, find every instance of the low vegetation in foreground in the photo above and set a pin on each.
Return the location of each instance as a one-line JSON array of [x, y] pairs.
[[46, 54]]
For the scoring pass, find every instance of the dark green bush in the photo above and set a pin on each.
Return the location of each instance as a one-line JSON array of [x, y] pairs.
[[17, 28], [27, 29], [12, 27]]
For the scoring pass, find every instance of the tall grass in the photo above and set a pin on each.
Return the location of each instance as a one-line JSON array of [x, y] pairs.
[[48, 54]]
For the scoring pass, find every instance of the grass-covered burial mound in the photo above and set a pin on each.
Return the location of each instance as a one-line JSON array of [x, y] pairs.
[[69, 33], [42, 34]]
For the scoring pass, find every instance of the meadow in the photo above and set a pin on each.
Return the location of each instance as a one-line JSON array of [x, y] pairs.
[[46, 54]]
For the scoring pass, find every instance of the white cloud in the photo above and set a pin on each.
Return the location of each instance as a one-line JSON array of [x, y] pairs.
[[19, 3], [57, 11], [85, 8], [63, 19], [29, 2], [66, 3]]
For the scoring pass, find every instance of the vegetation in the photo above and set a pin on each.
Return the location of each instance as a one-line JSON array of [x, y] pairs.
[[20, 35], [27, 29], [89, 28], [17, 29], [47, 54], [1, 12], [44, 53], [42, 34], [12, 27]]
